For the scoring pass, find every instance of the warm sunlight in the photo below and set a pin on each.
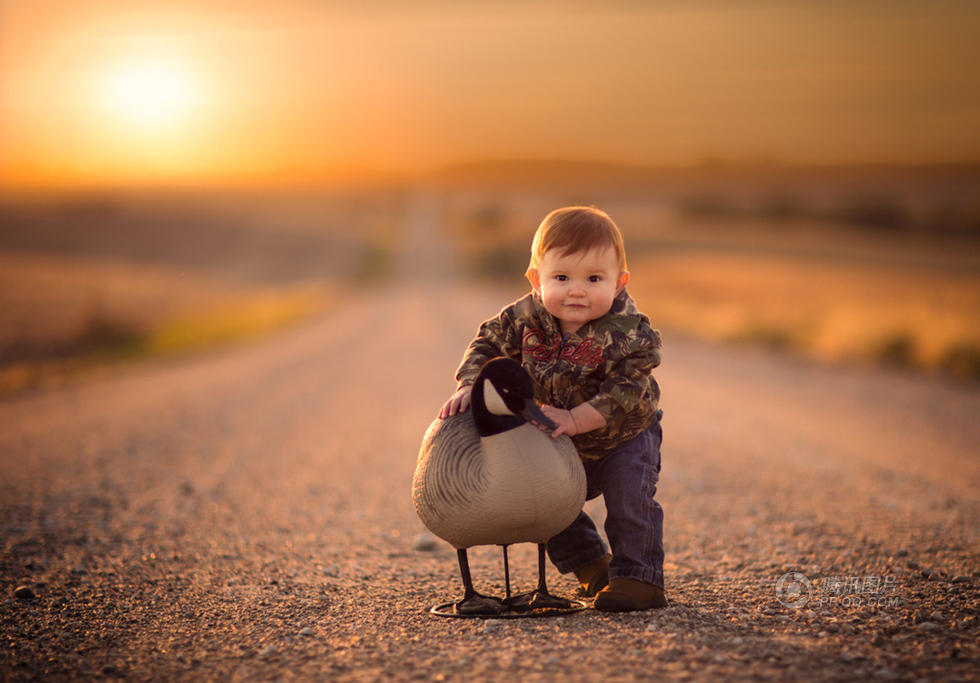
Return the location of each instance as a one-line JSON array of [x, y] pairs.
[[150, 94], [142, 90]]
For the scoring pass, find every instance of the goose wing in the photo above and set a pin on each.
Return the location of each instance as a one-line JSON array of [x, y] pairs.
[[450, 478]]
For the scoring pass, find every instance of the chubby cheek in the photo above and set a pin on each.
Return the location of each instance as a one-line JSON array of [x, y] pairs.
[[552, 300], [602, 302], [552, 303], [605, 298]]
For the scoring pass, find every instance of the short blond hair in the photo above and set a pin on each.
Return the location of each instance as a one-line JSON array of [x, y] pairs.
[[574, 229]]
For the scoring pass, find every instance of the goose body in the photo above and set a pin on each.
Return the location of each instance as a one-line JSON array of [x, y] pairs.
[[518, 486], [487, 476]]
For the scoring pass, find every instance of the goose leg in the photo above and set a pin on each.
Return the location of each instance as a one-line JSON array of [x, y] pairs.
[[472, 602], [506, 574], [539, 598]]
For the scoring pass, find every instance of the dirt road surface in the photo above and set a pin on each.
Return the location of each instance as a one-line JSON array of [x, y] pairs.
[[247, 515]]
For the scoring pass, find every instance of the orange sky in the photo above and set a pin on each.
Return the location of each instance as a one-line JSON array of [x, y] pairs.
[[97, 91]]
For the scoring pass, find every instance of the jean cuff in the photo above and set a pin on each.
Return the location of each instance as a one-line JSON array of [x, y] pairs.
[[581, 559], [639, 574]]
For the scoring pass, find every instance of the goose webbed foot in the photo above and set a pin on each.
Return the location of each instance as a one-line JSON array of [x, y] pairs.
[[474, 603], [479, 605], [537, 599]]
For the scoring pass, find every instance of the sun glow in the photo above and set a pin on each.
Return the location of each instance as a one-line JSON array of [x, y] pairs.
[[150, 94]]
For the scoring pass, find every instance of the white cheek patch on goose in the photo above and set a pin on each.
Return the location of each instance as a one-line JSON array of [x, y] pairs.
[[495, 403]]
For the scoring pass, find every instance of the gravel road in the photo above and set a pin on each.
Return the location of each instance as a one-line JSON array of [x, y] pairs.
[[247, 514]]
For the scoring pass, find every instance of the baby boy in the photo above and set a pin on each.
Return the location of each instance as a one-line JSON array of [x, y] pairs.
[[590, 353]]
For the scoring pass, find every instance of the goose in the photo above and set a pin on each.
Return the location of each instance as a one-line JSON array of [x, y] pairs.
[[487, 476]]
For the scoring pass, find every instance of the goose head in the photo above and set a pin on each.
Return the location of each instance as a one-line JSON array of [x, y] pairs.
[[503, 398]]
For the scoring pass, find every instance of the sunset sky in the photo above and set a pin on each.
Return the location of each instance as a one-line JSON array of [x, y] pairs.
[[95, 91]]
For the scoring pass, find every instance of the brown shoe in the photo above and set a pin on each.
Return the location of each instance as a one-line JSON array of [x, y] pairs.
[[629, 595], [594, 576]]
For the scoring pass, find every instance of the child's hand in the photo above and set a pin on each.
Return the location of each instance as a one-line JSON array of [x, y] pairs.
[[582, 418], [457, 403], [561, 417]]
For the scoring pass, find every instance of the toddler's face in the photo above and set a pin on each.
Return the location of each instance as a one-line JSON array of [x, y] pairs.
[[579, 287]]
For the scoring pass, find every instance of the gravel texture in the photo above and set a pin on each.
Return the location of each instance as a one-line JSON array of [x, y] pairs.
[[247, 515]]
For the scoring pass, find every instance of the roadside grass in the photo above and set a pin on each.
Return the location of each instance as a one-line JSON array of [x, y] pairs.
[[105, 338], [242, 318], [831, 311]]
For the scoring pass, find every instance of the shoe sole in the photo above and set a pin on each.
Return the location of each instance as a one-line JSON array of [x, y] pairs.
[[610, 603]]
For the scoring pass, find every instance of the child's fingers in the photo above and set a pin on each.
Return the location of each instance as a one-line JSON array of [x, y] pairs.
[[448, 409], [460, 404]]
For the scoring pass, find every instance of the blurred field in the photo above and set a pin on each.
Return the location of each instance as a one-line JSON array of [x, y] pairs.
[[841, 265], [86, 282], [905, 293], [832, 311]]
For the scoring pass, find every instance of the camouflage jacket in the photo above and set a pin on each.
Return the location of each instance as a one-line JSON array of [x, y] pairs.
[[607, 363]]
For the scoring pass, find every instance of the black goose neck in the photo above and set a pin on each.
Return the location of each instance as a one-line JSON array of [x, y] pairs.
[[488, 424]]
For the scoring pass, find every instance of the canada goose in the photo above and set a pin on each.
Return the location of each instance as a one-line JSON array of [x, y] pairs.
[[488, 477]]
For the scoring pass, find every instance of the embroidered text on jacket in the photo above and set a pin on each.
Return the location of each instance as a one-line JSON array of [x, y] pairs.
[[538, 346]]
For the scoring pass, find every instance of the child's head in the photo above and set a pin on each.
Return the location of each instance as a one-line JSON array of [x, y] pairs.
[[578, 264], [575, 229]]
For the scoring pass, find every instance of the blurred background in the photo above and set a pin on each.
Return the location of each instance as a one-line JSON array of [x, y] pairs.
[[802, 177]]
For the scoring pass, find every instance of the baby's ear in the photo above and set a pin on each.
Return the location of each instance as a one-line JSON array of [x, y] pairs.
[[624, 277], [534, 278]]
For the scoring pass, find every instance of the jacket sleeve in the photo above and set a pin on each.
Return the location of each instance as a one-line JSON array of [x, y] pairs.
[[629, 387], [498, 336]]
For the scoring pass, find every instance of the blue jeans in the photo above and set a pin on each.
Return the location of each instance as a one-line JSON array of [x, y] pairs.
[[627, 478]]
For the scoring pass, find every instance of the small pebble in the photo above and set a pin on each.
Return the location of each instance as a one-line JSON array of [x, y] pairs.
[[962, 578], [268, 650], [902, 552], [928, 626], [426, 542], [493, 625], [24, 593], [306, 631]]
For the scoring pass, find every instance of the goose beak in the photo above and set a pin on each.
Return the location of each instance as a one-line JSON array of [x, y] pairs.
[[531, 412]]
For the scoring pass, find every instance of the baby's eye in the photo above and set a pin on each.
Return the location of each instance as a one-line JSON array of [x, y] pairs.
[[595, 278], [561, 278]]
